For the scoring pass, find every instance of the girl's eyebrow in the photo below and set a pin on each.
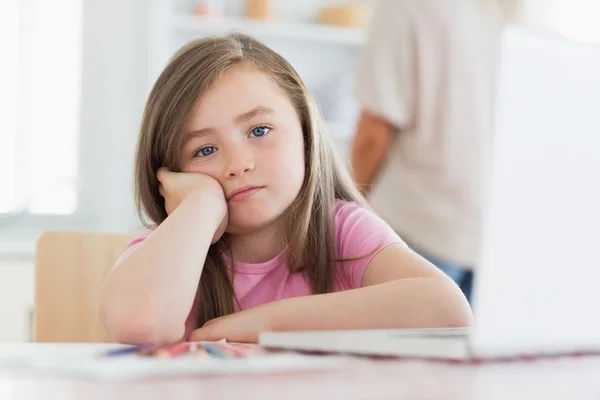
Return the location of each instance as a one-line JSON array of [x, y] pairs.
[[260, 110], [189, 136]]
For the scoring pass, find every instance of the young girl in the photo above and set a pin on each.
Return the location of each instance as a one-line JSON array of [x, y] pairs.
[[255, 224]]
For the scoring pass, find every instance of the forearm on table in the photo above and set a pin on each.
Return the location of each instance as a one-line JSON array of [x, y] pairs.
[[406, 303], [370, 149], [148, 296]]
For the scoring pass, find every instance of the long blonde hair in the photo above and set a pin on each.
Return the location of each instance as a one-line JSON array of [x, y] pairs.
[[310, 219]]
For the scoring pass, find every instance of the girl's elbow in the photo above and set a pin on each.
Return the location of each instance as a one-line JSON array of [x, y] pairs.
[[133, 327], [447, 306], [460, 318], [138, 330], [457, 313]]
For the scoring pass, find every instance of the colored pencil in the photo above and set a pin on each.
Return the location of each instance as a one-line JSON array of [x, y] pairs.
[[248, 350], [216, 351], [236, 351], [151, 350], [200, 353], [173, 350], [126, 350]]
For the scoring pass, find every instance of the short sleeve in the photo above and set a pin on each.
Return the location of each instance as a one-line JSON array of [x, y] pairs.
[[361, 235], [386, 83], [132, 245]]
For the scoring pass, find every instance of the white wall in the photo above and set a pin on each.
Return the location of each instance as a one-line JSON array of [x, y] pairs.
[[113, 93]]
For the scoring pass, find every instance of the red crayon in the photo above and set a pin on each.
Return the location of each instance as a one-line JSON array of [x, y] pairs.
[[173, 350]]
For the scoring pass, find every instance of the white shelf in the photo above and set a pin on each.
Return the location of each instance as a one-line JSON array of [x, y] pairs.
[[326, 34]]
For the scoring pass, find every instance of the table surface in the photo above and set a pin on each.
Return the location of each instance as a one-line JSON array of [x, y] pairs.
[[551, 378]]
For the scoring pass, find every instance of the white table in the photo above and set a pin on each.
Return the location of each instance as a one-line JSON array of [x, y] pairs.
[[561, 378]]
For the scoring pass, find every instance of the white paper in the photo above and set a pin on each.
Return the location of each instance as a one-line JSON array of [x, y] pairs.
[[83, 360]]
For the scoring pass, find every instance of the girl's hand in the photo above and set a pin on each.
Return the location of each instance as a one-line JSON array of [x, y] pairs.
[[175, 187], [241, 327]]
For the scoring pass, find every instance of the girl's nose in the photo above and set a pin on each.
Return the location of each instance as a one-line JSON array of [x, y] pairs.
[[239, 163]]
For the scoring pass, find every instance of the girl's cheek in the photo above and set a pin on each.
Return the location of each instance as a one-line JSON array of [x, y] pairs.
[[289, 159], [283, 154], [207, 167]]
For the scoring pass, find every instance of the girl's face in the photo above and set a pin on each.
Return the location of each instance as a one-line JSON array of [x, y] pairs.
[[245, 133]]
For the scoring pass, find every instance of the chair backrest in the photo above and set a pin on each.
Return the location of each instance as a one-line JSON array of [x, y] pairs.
[[69, 274]]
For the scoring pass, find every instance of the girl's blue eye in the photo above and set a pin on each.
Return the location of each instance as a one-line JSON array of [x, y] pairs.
[[206, 151], [259, 131]]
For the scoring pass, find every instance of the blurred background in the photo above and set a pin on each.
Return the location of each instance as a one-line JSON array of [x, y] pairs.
[[75, 75]]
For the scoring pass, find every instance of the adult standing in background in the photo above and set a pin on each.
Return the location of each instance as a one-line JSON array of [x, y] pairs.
[[426, 86]]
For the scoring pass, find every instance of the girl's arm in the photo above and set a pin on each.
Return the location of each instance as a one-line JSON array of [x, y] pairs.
[[417, 295], [148, 296], [400, 290]]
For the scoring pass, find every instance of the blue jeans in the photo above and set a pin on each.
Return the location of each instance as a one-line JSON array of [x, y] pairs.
[[463, 277]]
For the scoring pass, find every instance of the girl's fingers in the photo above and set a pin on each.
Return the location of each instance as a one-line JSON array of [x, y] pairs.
[[162, 173]]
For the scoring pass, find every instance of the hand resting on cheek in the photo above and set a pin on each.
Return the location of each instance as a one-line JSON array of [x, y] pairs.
[[175, 187]]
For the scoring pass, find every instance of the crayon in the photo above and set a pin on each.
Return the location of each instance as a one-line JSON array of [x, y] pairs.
[[200, 353], [216, 351], [126, 350], [172, 350], [238, 352], [151, 350]]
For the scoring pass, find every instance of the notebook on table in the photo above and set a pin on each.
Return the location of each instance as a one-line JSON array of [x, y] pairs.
[[536, 285]]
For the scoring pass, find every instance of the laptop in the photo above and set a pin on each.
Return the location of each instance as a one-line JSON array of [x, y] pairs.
[[537, 283]]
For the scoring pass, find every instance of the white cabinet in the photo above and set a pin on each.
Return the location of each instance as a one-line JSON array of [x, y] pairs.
[[16, 300]]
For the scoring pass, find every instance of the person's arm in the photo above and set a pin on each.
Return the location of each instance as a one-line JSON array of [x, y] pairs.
[[385, 87], [400, 290], [373, 138], [148, 295]]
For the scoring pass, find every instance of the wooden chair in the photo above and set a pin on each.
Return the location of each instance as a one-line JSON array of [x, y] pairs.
[[70, 268]]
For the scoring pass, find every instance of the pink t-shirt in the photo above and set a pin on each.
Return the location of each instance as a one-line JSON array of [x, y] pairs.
[[359, 234]]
